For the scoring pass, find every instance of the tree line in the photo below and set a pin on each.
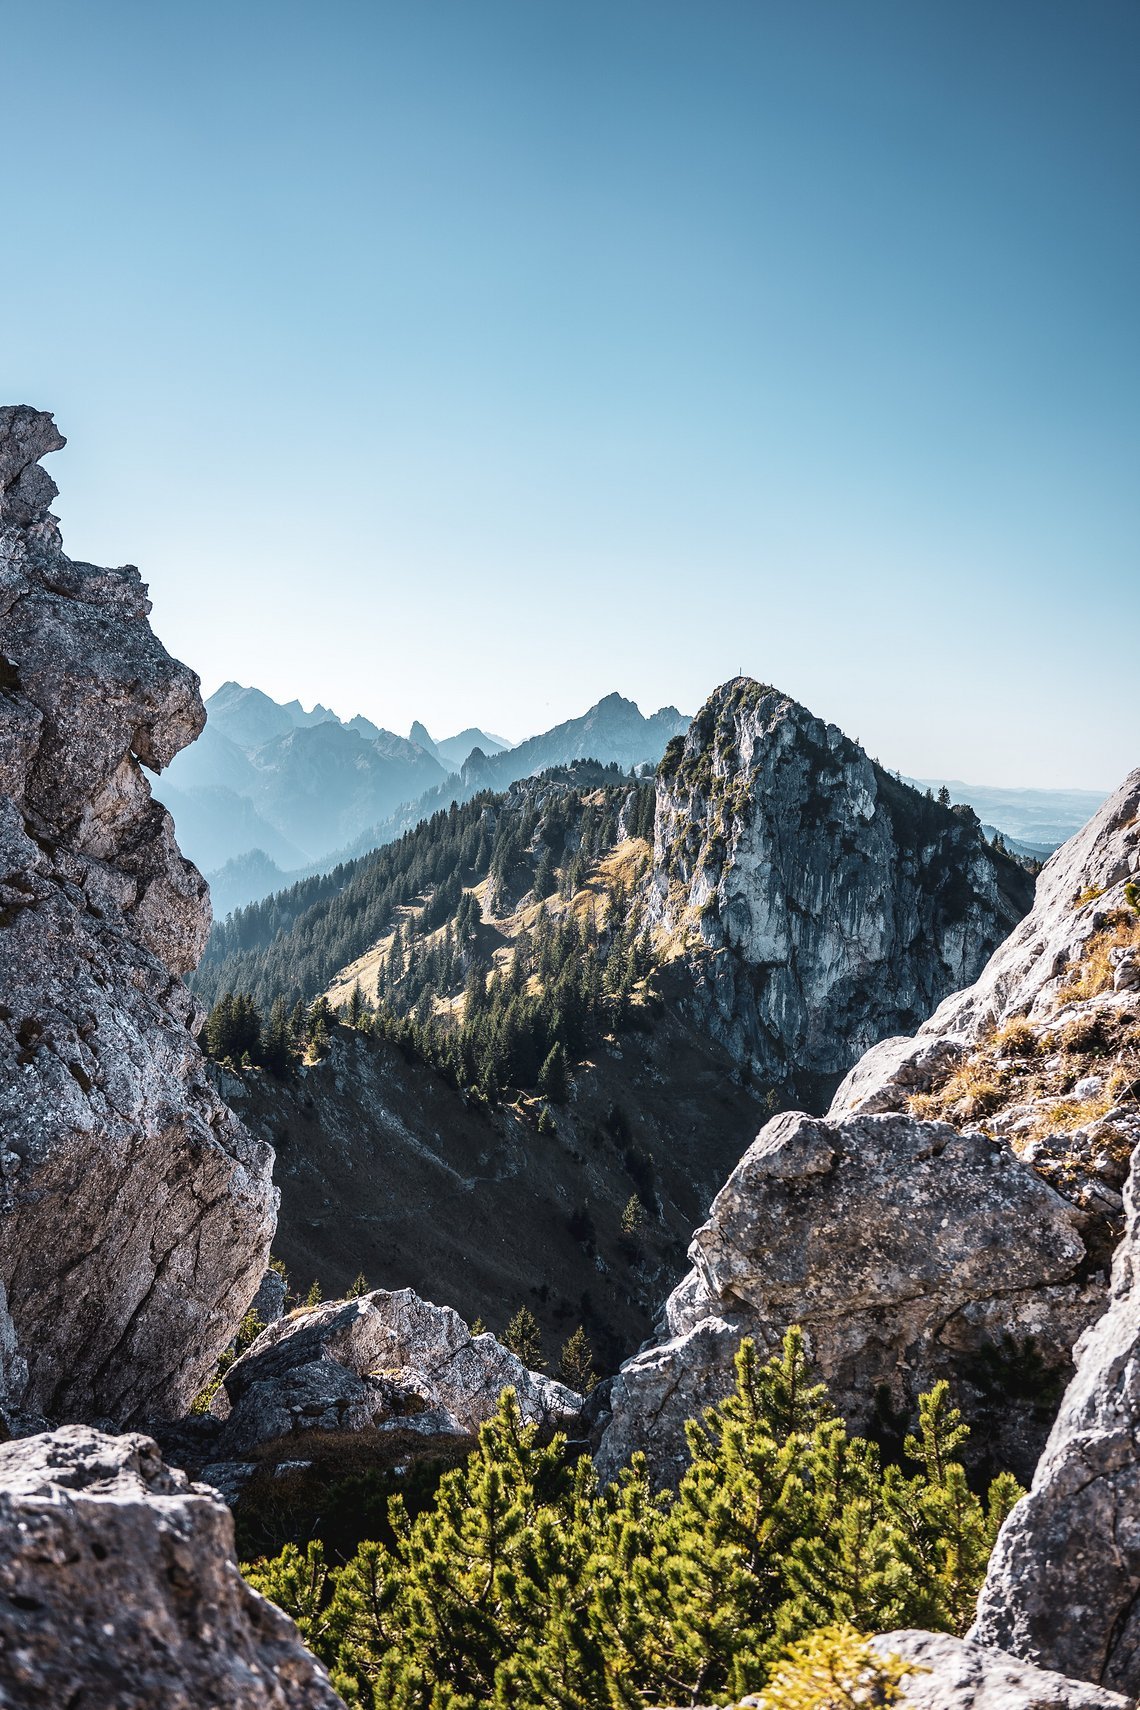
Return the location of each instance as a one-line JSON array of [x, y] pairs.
[[292, 943], [439, 995]]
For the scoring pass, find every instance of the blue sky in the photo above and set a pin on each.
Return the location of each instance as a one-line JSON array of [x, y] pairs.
[[468, 359]]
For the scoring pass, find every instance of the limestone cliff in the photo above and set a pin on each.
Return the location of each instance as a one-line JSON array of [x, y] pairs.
[[955, 1213], [135, 1211], [819, 903]]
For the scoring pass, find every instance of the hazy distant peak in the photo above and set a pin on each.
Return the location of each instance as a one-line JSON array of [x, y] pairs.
[[365, 727], [454, 750], [420, 737]]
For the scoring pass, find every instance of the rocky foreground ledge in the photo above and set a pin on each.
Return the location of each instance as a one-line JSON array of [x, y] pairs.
[[119, 1587]]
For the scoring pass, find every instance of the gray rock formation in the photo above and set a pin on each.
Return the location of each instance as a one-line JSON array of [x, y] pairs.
[[135, 1212], [953, 1675], [964, 1189], [820, 903], [118, 1586], [388, 1365], [1063, 1588], [903, 1248]]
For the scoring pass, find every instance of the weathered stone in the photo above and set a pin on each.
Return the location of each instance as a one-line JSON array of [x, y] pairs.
[[269, 1302], [1063, 1588], [135, 1211], [819, 902], [118, 1586], [951, 1674], [903, 1248], [388, 1365]]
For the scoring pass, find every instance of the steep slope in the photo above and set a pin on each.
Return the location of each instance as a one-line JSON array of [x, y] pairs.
[[952, 1216], [136, 1212], [818, 903], [385, 1168]]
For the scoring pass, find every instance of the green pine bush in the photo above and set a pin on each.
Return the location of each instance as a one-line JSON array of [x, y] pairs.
[[527, 1585]]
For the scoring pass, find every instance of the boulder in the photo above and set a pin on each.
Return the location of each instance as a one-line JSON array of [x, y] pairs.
[[904, 1249], [135, 1210], [951, 1674], [388, 1367], [118, 1586]]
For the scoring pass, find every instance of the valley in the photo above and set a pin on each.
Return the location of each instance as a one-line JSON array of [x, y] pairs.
[[416, 1224]]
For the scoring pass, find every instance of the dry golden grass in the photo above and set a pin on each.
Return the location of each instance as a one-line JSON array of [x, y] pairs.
[[1016, 1039], [1066, 1114], [972, 1091], [1094, 971]]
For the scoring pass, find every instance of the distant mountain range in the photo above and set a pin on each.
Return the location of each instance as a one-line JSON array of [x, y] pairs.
[[270, 792]]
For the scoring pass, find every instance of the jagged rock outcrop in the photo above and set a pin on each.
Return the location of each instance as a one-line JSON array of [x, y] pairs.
[[1037, 972], [388, 1365], [819, 902], [950, 1674], [1063, 1588], [904, 1249], [956, 1212], [135, 1211], [118, 1586]]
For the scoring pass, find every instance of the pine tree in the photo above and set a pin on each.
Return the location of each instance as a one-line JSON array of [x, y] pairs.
[[524, 1338], [277, 1043], [523, 1584], [633, 1217], [576, 1363], [554, 1076]]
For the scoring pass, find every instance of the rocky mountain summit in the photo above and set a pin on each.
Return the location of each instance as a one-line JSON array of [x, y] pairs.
[[819, 902], [137, 1212]]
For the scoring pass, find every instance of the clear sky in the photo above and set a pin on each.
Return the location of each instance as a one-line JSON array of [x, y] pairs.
[[468, 359]]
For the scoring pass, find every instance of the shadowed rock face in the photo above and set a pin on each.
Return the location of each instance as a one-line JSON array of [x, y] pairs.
[[118, 1586], [135, 1211], [821, 903]]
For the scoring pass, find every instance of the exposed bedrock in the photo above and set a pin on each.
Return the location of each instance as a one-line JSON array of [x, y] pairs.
[[904, 1249], [135, 1211], [956, 1212], [819, 903], [118, 1586]]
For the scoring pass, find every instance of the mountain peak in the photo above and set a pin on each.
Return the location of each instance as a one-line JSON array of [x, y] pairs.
[[420, 736]]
